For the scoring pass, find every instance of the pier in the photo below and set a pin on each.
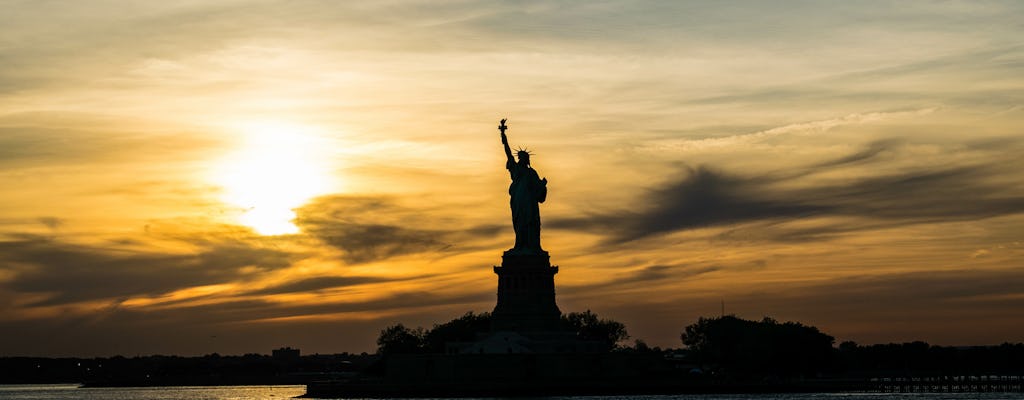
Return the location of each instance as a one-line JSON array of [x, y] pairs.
[[950, 384]]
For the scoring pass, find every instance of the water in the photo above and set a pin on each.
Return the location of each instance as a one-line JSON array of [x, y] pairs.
[[73, 392]]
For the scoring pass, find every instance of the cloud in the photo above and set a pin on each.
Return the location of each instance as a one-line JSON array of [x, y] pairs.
[[936, 288], [51, 222], [873, 150], [641, 278], [370, 242], [249, 309], [368, 229], [65, 137], [702, 198], [70, 273], [327, 282], [663, 272], [705, 197], [811, 127], [234, 326]]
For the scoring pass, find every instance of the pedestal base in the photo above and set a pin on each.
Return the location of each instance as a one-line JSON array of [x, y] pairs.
[[526, 295]]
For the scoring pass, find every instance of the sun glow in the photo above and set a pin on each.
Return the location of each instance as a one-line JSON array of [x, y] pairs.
[[279, 167]]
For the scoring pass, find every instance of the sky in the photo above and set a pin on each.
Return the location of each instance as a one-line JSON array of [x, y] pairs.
[[192, 177]]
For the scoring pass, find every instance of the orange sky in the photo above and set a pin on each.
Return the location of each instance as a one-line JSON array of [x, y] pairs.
[[234, 177]]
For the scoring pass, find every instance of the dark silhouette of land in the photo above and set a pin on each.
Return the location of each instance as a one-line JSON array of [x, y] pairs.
[[720, 355], [283, 367], [737, 367]]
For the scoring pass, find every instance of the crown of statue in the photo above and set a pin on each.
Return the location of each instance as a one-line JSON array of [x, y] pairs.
[[521, 151]]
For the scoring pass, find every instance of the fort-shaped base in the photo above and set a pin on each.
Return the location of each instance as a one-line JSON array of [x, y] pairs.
[[526, 295]]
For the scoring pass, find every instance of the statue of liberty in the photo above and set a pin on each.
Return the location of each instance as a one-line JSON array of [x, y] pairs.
[[527, 191]]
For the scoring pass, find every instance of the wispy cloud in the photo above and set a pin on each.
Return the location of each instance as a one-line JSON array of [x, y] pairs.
[[311, 285], [802, 128], [705, 198], [354, 226], [68, 273]]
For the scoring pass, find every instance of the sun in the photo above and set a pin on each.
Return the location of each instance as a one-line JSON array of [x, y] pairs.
[[277, 168]]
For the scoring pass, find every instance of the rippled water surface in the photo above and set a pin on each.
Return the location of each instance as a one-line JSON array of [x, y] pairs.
[[73, 392]]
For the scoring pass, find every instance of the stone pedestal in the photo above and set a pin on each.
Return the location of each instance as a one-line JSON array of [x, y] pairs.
[[526, 295]]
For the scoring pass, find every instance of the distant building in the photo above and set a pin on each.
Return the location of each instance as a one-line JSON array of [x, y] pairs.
[[286, 354]]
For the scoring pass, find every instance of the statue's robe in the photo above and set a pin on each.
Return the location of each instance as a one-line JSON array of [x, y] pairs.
[[526, 191]]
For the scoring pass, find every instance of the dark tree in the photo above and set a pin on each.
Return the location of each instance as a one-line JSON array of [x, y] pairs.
[[466, 328], [742, 348], [589, 326], [920, 357], [397, 339]]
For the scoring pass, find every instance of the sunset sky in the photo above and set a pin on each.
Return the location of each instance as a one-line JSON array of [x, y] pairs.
[[192, 177]]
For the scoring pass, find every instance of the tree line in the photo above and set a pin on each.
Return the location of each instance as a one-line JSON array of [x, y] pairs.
[[729, 346], [399, 339]]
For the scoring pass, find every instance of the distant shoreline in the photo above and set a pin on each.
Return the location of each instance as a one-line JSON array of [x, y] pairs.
[[1008, 384]]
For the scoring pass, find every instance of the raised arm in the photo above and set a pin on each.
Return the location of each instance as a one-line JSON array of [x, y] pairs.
[[504, 141]]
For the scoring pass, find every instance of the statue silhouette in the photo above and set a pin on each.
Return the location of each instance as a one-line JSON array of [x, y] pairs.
[[527, 191]]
